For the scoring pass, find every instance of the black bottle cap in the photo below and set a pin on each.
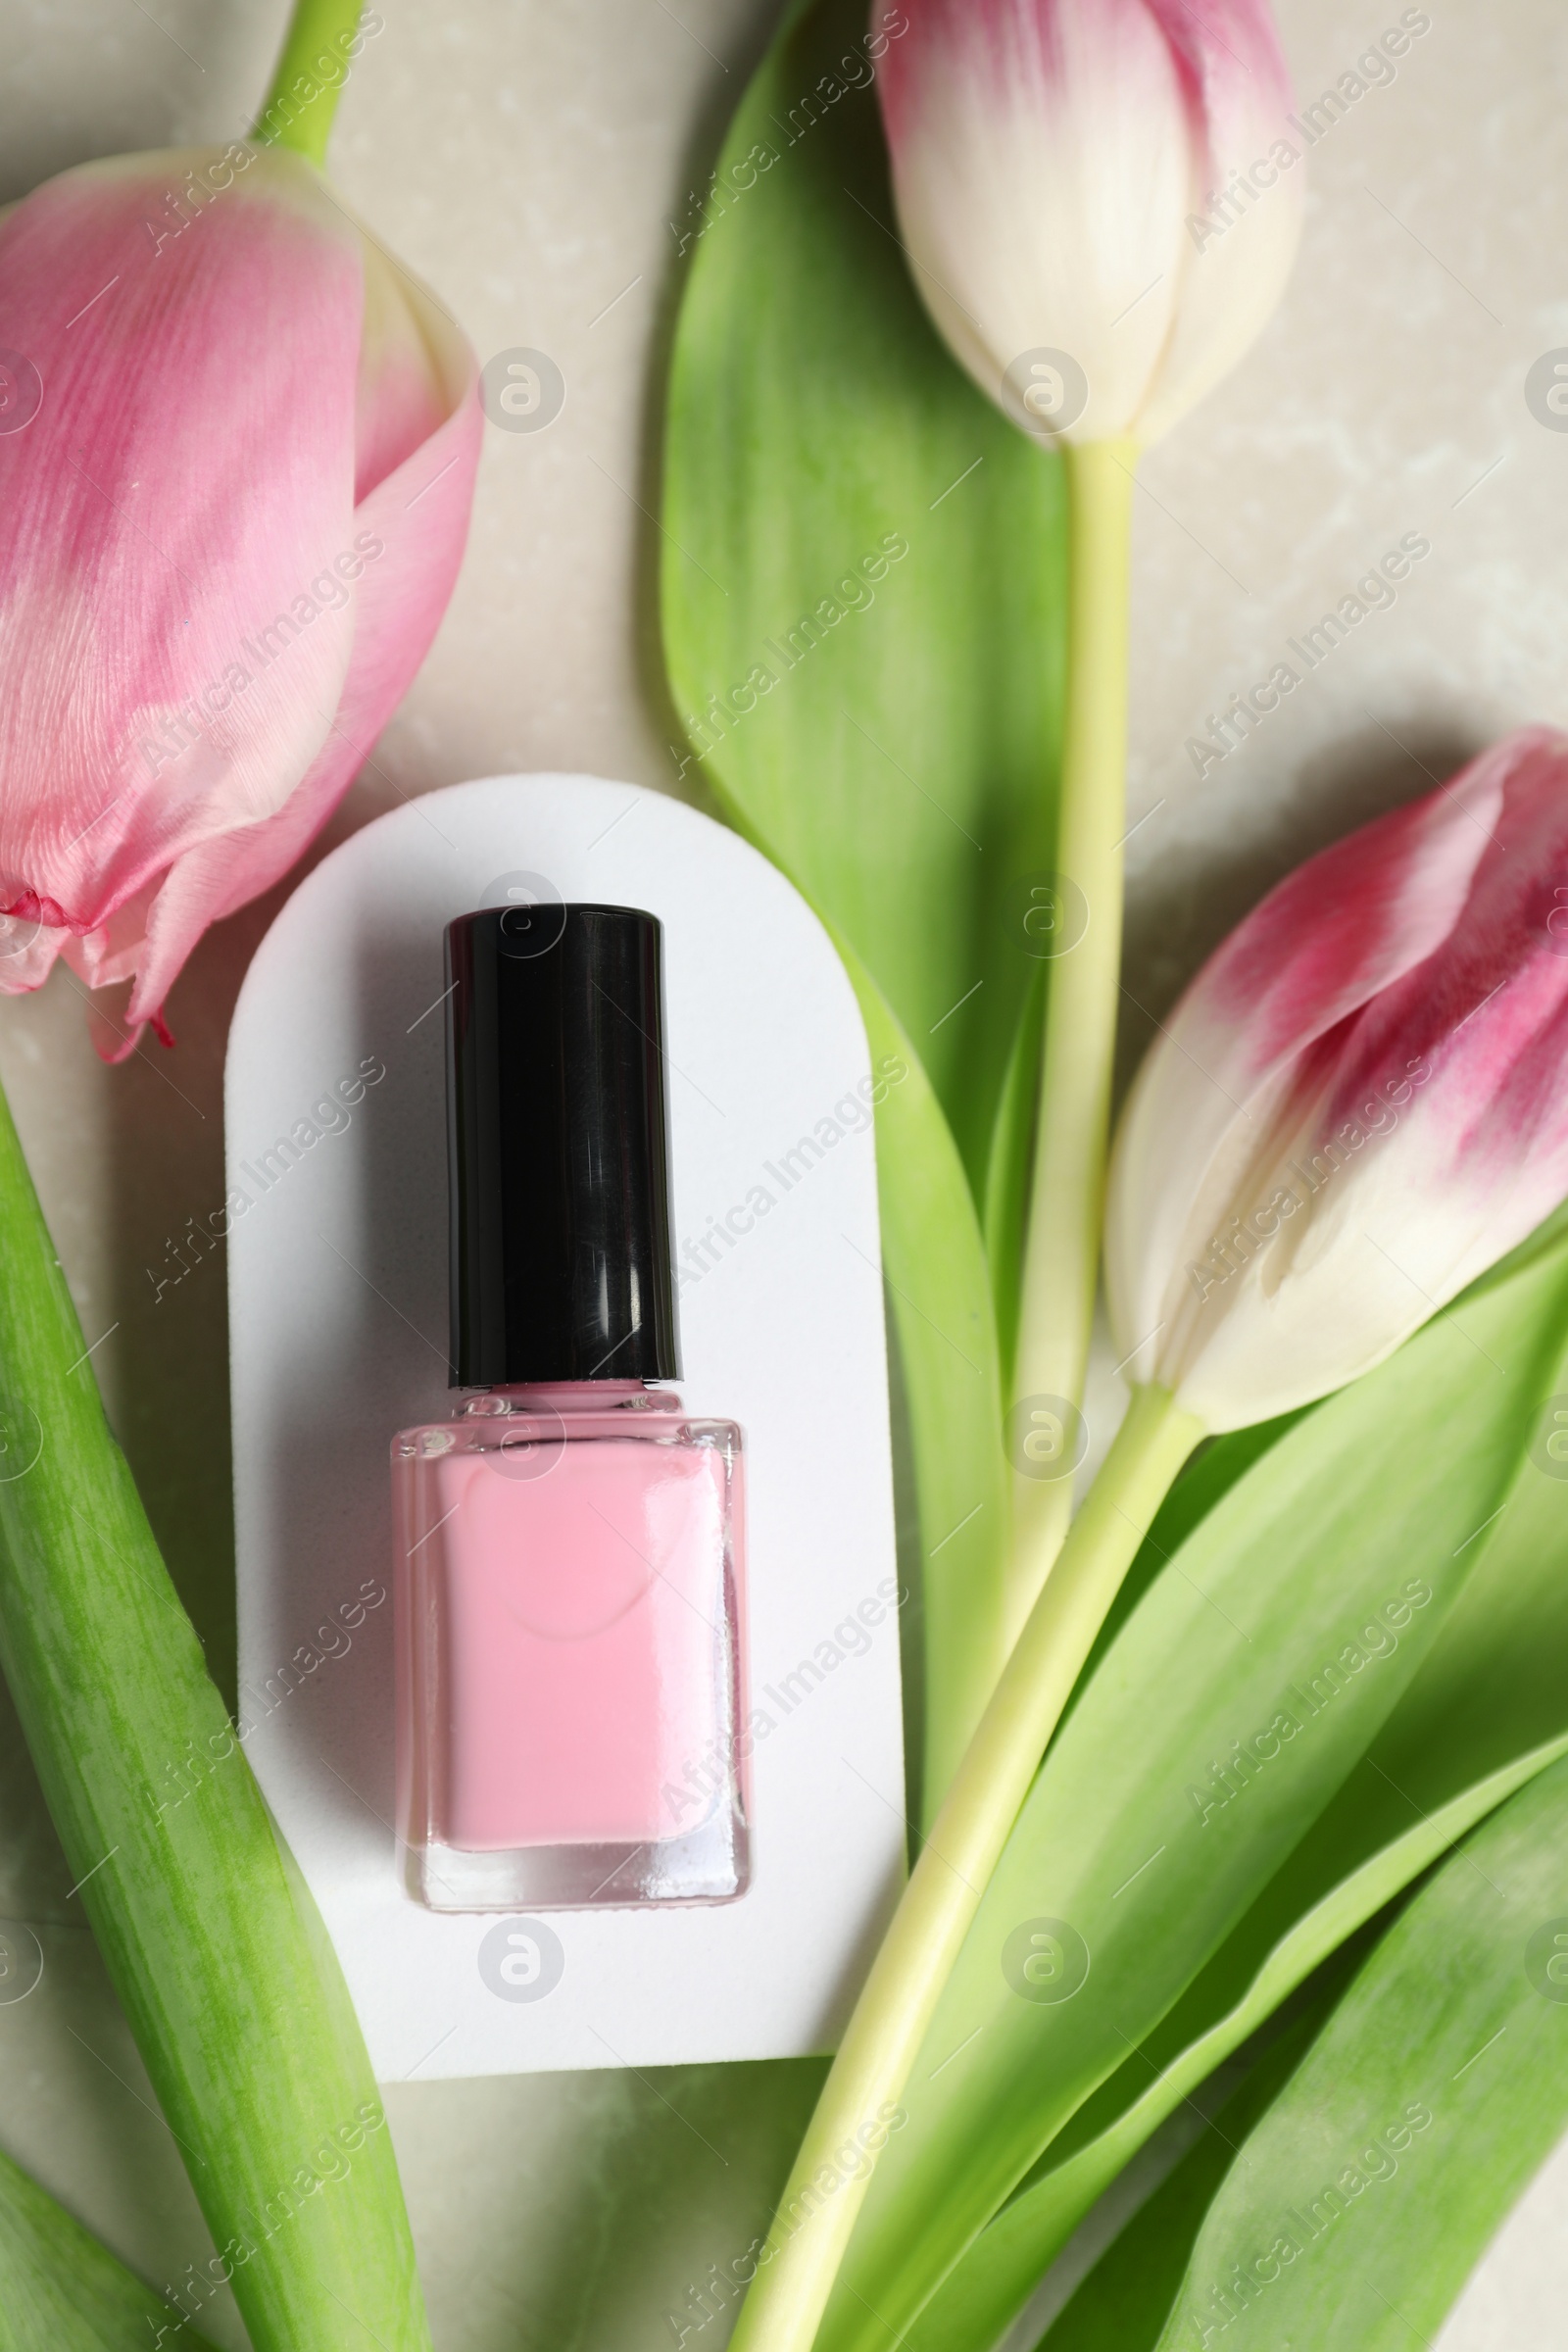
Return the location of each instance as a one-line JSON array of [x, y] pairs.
[[559, 1167]]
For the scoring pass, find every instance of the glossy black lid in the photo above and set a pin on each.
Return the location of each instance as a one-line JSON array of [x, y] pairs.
[[558, 1153]]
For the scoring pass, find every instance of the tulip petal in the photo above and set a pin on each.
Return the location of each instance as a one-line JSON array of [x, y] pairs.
[[1392, 1025], [1236, 254], [165, 671], [231, 525], [414, 369], [1112, 180], [1229, 1088], [417, 514], [1488, 1017], [1042, 162]]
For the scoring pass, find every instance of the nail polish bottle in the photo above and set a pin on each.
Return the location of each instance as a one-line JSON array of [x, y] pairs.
[[570, 1626]]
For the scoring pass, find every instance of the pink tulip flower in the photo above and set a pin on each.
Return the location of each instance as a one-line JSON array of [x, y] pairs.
[[1101, 198], [1360, 1103], [237, 450]]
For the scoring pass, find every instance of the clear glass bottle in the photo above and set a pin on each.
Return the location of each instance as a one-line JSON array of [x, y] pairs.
[[568, 1564], [570, 1652]]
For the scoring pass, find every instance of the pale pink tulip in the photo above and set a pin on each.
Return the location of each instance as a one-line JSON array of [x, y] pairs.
[[1101, 198], [237, 449], [1360, 1103]]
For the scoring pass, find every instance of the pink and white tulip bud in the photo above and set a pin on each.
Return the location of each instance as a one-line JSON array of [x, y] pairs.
[[1360, 1103], [237, 450], [1101, 198]]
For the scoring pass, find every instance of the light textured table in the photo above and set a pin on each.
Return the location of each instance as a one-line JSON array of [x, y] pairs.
[[527, 158]]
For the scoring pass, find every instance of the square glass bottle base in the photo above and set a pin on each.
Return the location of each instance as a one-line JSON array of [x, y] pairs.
[[570, 1652], [710, 1864]]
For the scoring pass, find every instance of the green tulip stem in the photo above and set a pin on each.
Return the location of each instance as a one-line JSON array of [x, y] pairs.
[[1083, 909], [813, 2221], [322, 38]]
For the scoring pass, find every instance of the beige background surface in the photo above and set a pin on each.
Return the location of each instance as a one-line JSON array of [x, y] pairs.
[[527, 158]]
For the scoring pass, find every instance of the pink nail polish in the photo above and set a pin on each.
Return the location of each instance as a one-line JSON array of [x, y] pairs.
[[568, 1552]]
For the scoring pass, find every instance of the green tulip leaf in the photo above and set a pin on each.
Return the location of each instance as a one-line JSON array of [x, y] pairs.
[[864, 583], [1360, 2202], [934, 1267], [214, 1947], [1487, 1710], [1123, 2302], [60, 2288], [1375, 1607]]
